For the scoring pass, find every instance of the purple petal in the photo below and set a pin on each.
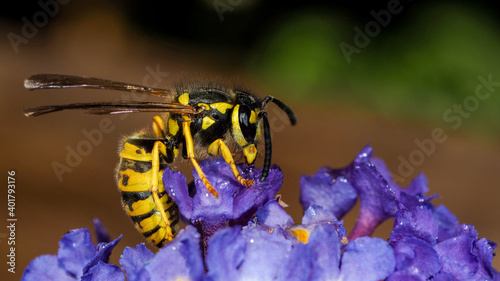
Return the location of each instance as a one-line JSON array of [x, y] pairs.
[[405, 276], [317, 215], [225, 254], [45, 268], [377, 198], [133, 259], [411, 196], [417, 222], [248, 199], [181, 259], [416, 257], [377, 194], [380, 197], [414, 194], [418, 186], [272, 214], [367, 259], [447, 223], [335, 194], [235, 203], [442, 277], [364, 155], [263, 251], [317, 260], [381, 167], [176, 187], [76, 250], [251, 253], [101, 232], [483, 250], [102, 255], [206, 206], [103, 272], [234, 199], [466, 258]]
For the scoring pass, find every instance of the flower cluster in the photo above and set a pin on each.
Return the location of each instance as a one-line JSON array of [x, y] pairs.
[[246, 234]]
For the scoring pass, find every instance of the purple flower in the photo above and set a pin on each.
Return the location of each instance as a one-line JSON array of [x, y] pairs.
[[272, 214], [367, 178], [334, 193], [255, 253], [447, 223], [246, 234], [77, 258], [367, 259], [318, 259], [133, 259], [465, 257], [236, 203], [179, 260], [326, 257], [429, 242], [417, 222], [415, 259]]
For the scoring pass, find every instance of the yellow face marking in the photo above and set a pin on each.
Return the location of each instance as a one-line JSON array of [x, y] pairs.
[[257, 133], [250, 152], [237, 134], [207, 122], [184, 99], [173, 127], [222, 107], [253, 117]]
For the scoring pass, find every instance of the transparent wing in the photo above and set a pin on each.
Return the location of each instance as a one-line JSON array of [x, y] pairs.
[[58, 81], [116, 107]]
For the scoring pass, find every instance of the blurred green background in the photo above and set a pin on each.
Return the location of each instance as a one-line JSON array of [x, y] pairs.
[[414, 70]]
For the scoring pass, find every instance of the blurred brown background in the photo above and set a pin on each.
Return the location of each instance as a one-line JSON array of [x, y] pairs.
[[391, 91]]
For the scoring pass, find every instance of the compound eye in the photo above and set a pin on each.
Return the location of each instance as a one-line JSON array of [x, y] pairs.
[[247, 129]]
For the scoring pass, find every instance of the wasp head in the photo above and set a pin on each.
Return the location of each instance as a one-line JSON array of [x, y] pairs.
[[246, 126], [246, 119]]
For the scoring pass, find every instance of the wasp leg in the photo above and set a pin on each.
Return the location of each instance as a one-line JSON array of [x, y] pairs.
[[213, 149], [158, 127], [190, 154], [158, 148]]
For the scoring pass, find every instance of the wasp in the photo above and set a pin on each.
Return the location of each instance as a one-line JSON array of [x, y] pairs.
[[197, 121]]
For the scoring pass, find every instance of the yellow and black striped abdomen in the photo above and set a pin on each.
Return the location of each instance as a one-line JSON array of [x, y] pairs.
[[134, 181]]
